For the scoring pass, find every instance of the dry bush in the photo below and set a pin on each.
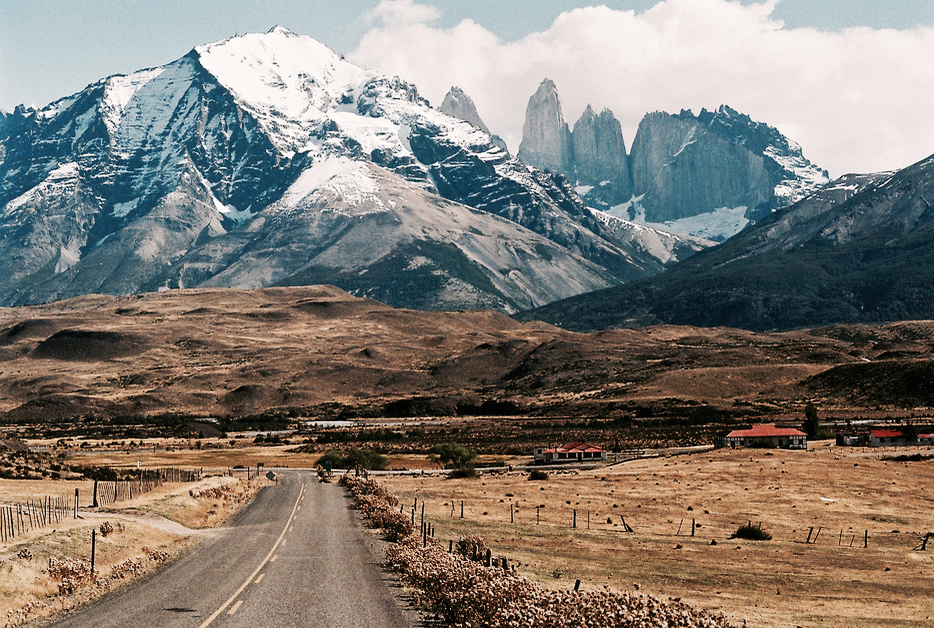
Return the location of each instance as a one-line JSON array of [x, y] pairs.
[[24, 554], [466, 544], [157, 556], [106, 528], [19, 616], [127, 567], [378, 506], [70, 574]]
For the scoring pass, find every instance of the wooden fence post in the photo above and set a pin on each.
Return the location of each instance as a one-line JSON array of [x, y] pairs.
[[866, 539], [575, 518], [462, 509], [93, 547], [693, 526], [94, 499]]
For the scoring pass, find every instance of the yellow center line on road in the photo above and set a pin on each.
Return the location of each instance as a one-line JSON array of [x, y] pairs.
[[284, 541], [236, 607], [274, 558], [259, 578], [207, 622]]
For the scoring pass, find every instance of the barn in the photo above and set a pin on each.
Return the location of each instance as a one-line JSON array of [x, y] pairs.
[[767, 436]]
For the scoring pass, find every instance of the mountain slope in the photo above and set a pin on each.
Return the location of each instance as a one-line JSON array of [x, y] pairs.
[[860, 250], [240, 153]]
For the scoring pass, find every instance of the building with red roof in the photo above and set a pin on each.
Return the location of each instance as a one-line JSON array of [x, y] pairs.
[[572, 452], [767, 435]]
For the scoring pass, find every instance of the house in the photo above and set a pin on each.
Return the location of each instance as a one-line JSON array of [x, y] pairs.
[[889, 437], [767, 436], [881, 437], [572, 452], [926, 439]]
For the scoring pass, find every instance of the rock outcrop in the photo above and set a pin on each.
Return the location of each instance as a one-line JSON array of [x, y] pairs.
[[600, 160], [546, 139], [708, 175], [458, 104], [686, 165]]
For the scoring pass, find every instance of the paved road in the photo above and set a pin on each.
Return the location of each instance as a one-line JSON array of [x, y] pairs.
[[295, 557]]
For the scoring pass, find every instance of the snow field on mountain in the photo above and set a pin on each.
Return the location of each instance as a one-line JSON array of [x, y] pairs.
[[287, 81]]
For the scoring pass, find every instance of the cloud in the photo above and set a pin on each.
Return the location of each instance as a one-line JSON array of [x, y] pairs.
[[856, 100], [395, 14]]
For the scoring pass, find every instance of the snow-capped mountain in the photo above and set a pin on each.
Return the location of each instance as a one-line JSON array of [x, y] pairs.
[[267, 159]]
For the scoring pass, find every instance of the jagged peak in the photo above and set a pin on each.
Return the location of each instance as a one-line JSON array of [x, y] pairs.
[[281, 30]]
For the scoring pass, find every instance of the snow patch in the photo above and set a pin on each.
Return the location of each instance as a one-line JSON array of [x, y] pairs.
[[349, 180], [118, 93], [717, 225], [121, 210], [62, 174]]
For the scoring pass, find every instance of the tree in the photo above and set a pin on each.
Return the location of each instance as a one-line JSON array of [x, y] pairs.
[[811, 421], [451, 455]]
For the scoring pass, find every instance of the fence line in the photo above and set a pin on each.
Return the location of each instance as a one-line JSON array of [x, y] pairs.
[[18, 518], [108, 492]]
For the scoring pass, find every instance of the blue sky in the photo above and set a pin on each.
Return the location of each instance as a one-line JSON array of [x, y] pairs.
[[53, 48]]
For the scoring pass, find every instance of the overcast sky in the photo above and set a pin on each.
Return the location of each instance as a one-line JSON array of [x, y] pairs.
[[850, 80]]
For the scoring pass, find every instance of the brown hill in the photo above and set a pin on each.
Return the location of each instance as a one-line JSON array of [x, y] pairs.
[[317, 351]]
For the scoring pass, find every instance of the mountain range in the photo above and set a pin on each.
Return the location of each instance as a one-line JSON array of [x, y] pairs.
[[860, 250], [269, 160]]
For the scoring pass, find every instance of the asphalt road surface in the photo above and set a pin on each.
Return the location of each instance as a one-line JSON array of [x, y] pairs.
[[295, 557]]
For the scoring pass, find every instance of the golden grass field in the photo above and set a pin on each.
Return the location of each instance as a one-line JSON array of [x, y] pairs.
[[782, 582]]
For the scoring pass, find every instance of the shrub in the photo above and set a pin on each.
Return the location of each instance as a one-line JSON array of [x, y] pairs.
[[366, 458], [465, 472], [451, 455], [751, 533], [537, 475]]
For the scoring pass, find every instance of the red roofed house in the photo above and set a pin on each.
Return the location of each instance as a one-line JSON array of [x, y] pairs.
[[781, 437], [891, 436], [573, 452]]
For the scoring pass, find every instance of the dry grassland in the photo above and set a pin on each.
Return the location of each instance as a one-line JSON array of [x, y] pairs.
[[782, 582], [216, 455], [146, 531]]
